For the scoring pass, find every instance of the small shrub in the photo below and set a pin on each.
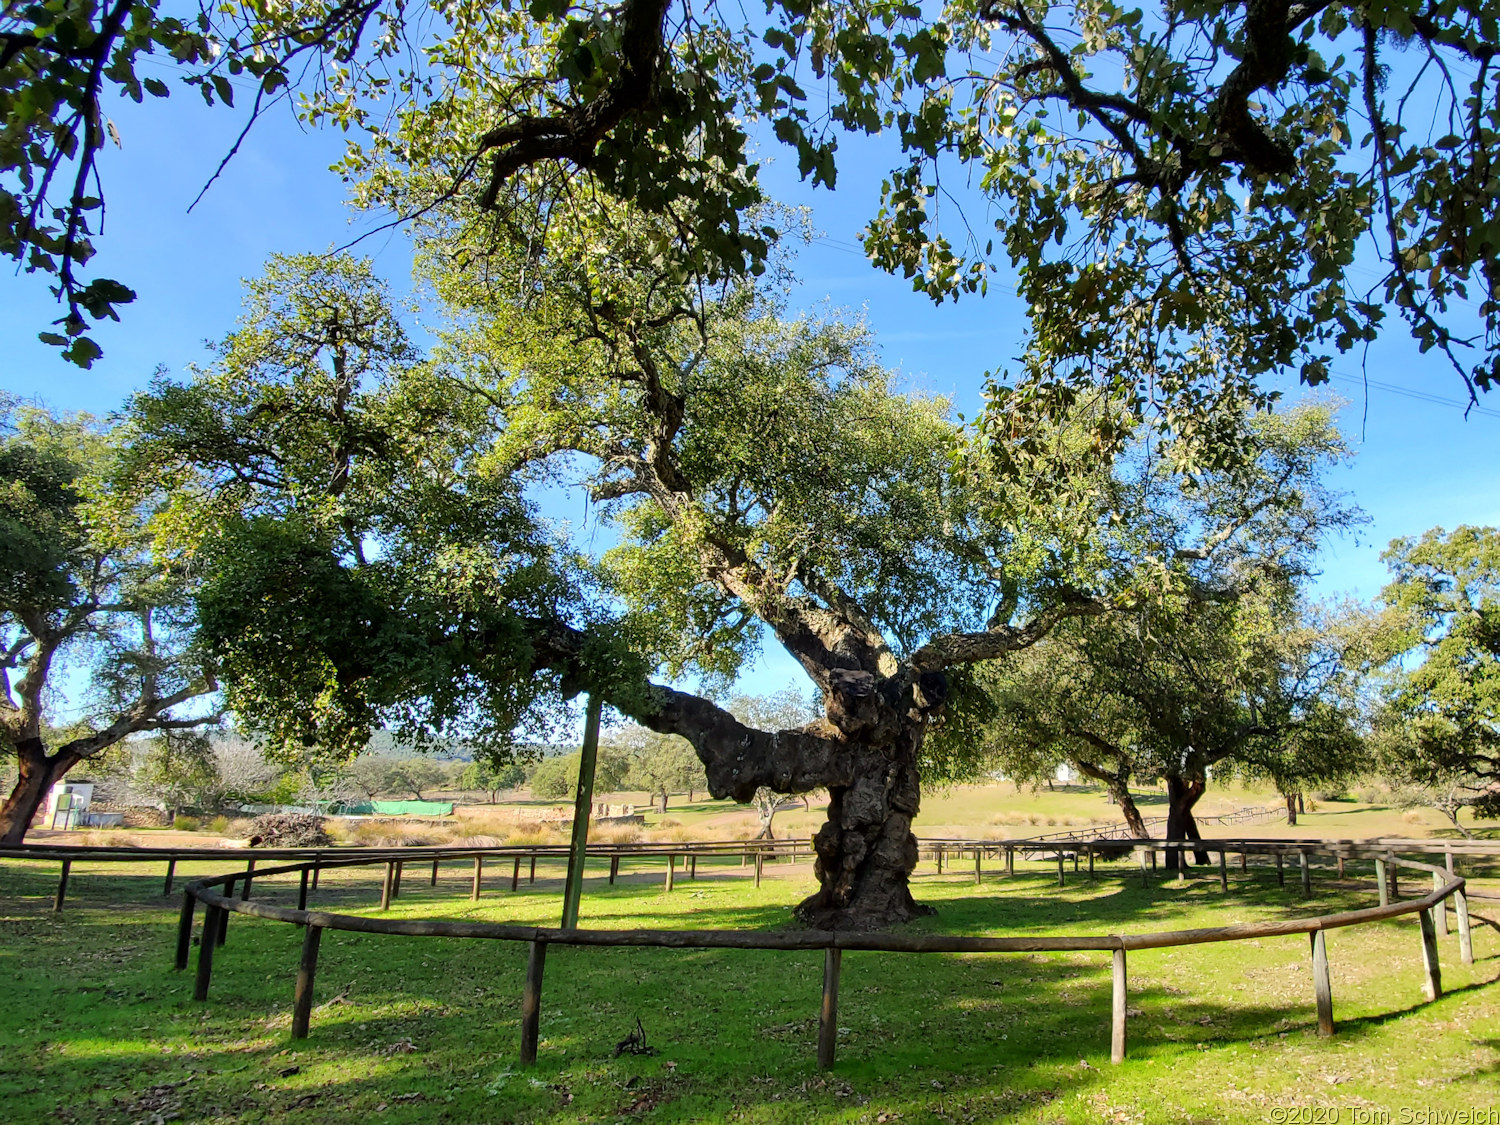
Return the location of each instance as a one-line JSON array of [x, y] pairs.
[[289, 830], [182, 823]]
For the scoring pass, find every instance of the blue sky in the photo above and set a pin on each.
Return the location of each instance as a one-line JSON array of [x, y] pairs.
[[1420, 463]]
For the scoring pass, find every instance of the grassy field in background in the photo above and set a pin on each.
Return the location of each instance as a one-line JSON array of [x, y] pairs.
[[96, 1028], [997, 810]]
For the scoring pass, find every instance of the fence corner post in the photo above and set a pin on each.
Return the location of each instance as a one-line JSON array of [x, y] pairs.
[[1432, 978], [1322, 989], [1465, 934]]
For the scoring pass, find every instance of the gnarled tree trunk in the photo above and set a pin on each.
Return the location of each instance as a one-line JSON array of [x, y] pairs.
[[1182, 795], [38, 773]]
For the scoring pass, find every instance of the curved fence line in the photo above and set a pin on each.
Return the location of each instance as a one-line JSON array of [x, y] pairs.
[[217, 894]]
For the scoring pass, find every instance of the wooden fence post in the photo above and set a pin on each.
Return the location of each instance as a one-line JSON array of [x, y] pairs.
[[828, 1016], [1432, 978], [62, 886], [1440, 911], [166, 888], [1465, 935], [221, 930], [1382, 884], [185, 931], [478, 874], [531, 1001], [1117, 1010], [212, 917], [386, 885], [1322, 990], [307, 969], [1306, 872]]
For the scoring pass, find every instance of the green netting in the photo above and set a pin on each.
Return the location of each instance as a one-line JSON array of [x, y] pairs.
[[399, 808]]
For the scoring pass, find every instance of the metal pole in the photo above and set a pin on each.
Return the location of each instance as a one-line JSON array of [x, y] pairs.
[[583, 801]]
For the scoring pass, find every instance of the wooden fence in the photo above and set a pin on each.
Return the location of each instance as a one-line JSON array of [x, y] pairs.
[[218, 896]]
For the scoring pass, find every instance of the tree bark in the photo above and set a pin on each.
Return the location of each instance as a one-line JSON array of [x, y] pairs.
[[1182, 795], [1117, 786], [38, 773]]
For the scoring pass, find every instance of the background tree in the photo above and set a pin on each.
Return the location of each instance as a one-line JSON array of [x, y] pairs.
[[81, 596], [556, 777], [363, 574], [662, 765], [178, 769], [493, 779], [781, 710], [413, 775], [1444, 692], [1213, 665]]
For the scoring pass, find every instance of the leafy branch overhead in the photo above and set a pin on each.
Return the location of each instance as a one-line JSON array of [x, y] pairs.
[[1182, 190]]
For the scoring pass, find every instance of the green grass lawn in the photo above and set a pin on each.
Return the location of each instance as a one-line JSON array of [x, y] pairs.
[[95, 1026]]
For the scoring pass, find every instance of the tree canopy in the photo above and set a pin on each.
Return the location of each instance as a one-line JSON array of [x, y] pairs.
[[80, 592], [1183, 191], [1445, 595], [1215, 664]]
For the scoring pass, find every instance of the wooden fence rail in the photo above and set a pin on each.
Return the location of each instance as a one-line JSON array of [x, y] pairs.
[[218, 896]]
